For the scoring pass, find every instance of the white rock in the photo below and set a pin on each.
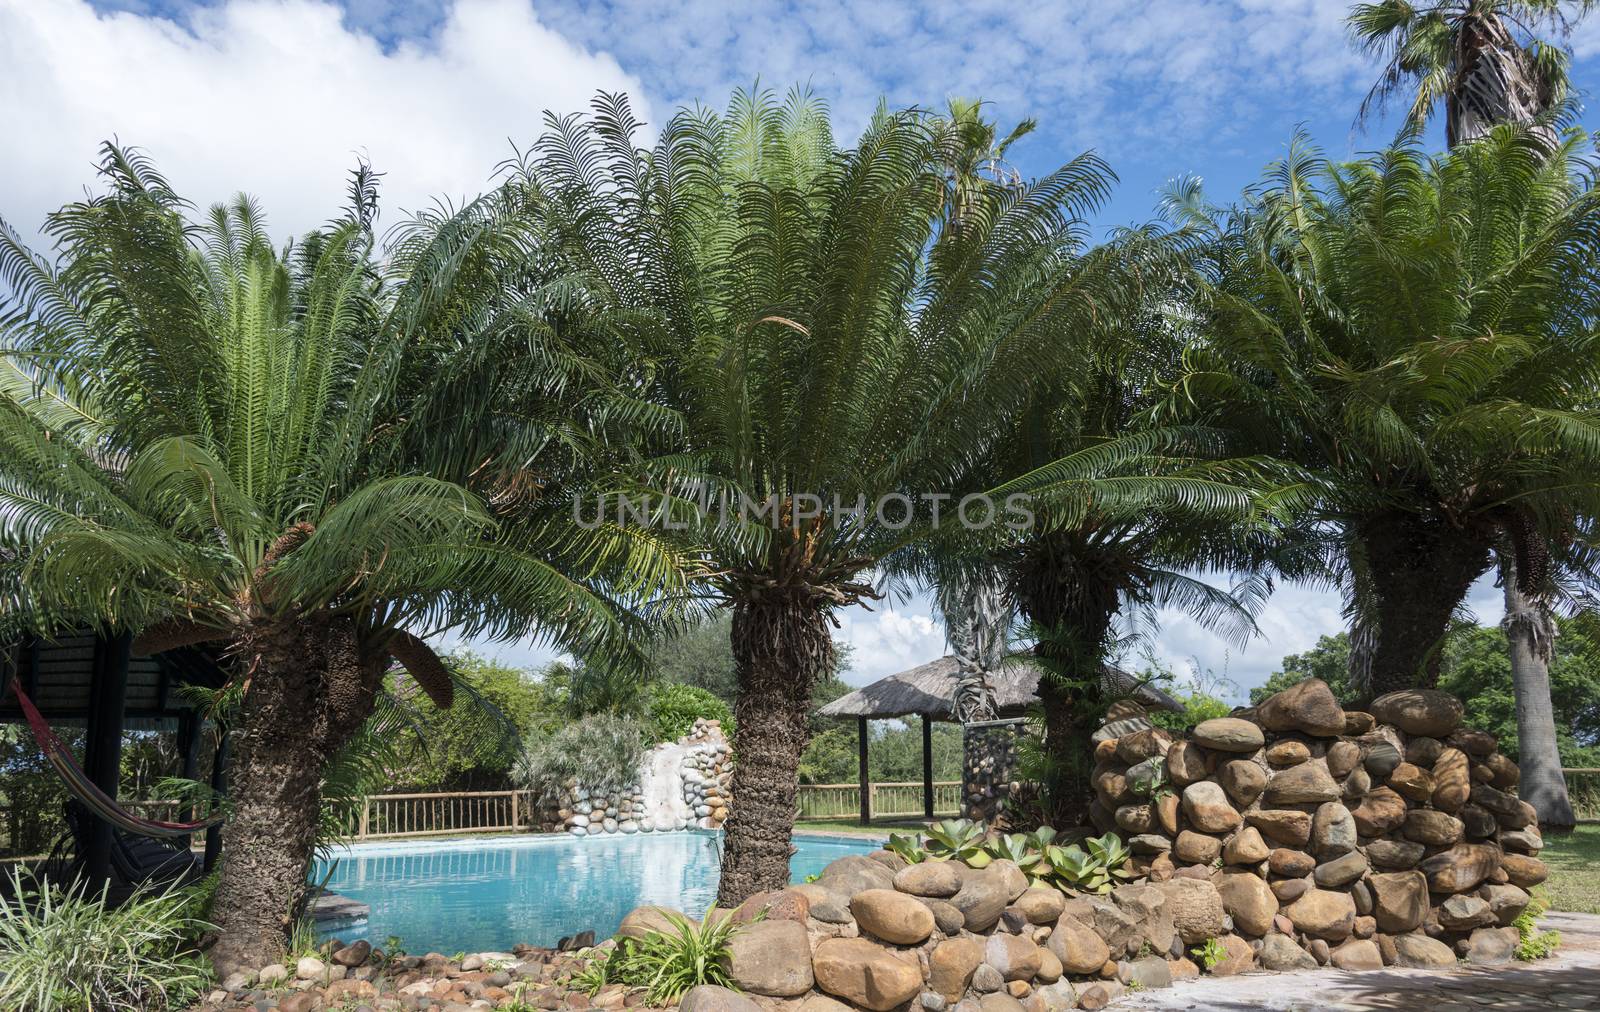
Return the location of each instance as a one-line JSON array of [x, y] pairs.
[[310, 968], [272, 973]]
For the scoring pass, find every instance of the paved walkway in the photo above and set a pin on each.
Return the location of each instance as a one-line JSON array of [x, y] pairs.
[[1568, 980]]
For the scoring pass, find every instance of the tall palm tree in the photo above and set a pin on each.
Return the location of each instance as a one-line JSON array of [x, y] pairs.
[[203, 439], [1416, 333], [818, 335], [1488, 61]]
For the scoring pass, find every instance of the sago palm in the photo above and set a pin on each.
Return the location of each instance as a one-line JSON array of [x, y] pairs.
[[819, 335], [1487, 61], [1416, 333], [203, 439]]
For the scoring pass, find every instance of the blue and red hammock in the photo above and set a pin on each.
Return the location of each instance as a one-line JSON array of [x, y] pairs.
[[85, 790]]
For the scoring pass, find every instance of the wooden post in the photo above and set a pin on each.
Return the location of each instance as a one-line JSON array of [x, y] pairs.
[[102, 753], [861, 757], [927, 767], [516, 820], [219, 785], [189, 745], [366, 817]]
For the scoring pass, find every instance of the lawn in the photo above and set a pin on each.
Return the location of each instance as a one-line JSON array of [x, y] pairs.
[[1574, 860]]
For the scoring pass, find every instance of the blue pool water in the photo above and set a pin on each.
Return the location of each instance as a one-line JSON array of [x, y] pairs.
[[486, 895]]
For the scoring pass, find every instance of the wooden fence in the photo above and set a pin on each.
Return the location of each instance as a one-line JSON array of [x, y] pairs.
[[1583, 788], [885, 800]]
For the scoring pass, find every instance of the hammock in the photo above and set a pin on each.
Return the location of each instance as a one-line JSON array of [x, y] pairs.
[[85, 790]]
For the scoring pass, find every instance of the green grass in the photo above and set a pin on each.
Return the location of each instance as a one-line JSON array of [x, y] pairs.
[[1574, 860]]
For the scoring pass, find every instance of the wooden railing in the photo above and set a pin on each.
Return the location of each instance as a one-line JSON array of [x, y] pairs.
[[400, 815], [900, 799]]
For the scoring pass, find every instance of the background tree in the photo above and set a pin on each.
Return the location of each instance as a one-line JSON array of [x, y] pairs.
[[1411, 333], [1487, 61], [202, 439]]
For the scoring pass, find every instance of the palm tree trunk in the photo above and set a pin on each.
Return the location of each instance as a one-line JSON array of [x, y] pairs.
[[781, 647], [1420, 571], [1531, 631], [309, 692]]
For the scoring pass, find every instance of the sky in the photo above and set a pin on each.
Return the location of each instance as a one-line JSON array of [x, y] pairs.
[[280, 97]]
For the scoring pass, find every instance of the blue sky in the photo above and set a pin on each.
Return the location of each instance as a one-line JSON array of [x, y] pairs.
[[277, 96]]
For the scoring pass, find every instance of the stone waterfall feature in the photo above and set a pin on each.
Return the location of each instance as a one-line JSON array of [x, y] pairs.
[[681, 785]]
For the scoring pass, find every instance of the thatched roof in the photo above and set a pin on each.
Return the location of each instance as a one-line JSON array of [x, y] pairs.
[[928, 689]]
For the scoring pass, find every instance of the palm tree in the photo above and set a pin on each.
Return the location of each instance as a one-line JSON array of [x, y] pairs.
[[819, 336], [1488, 61], [1415, 333], [202, 439]]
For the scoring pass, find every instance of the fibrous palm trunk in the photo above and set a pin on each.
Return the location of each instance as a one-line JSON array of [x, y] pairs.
[[309, 691], [781, 646], [1419, 571], [1494, 83], [1531, 630], [1072, 601]]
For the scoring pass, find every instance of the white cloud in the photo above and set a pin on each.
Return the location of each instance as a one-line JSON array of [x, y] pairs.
[[275, 97], [889, 639]]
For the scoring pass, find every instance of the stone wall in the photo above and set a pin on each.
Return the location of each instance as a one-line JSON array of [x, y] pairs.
[[989, 761], [700, 766], [1285, 837]]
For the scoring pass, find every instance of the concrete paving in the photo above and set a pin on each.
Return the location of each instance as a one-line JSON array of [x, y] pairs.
[[1568, 980]]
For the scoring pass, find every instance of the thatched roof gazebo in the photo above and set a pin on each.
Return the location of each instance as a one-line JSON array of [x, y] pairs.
[[929, 690]]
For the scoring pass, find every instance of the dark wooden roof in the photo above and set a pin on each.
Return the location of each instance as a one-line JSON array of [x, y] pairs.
[[58, 675], [928, 690]]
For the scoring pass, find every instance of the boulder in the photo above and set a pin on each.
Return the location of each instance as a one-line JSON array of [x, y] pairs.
[[711, 998], [1426, 712], [1463, 913], [1187, 762], [1356, 786], [855, 873], [1395, 853], [1146, 974], [1288, 753], [1506, 902], [1243, 780], [865, 973], [1041, 904], [1412, 781], [1307, 706], [1527, 841], [1420, 951], [1247, 899], [1278, 952], [1452, 780], [1016, 957], [999, 1002], [1147, 906], [1342, 870], [1400, 900], [1228, 734], [1245, 847], [1291, 863], [1333, 830], [1524, 871], [1078, 946], [1207, 807], [929, 878], [1507, 810], [1342, 757], [355, 954], [1287, 890], [1490, 946], [1460, 868], [1379, 756], [1196, 848], [1149, 843], [1381, 811], [1144, 744], [1282, 825], [1357, 723], [642, 921], [892, 916], [1323, 914], [1479, 823], [1506, 773], [823, 903], [1435, 829], [951, 965], [771, 958], [1135, 818], [945, 916], [1195, 908], [1241, 957], [1306, 784], [1357, 954], [983, 896], [1424, 751]]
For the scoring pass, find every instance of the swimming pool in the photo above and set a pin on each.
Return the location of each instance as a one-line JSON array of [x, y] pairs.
[[486, 895]]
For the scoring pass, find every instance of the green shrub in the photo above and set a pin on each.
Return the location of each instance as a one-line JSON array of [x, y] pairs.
[[674, 707], [601, 751], [665, 965], [1210, 953], [66, 951], [1531, 942]]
